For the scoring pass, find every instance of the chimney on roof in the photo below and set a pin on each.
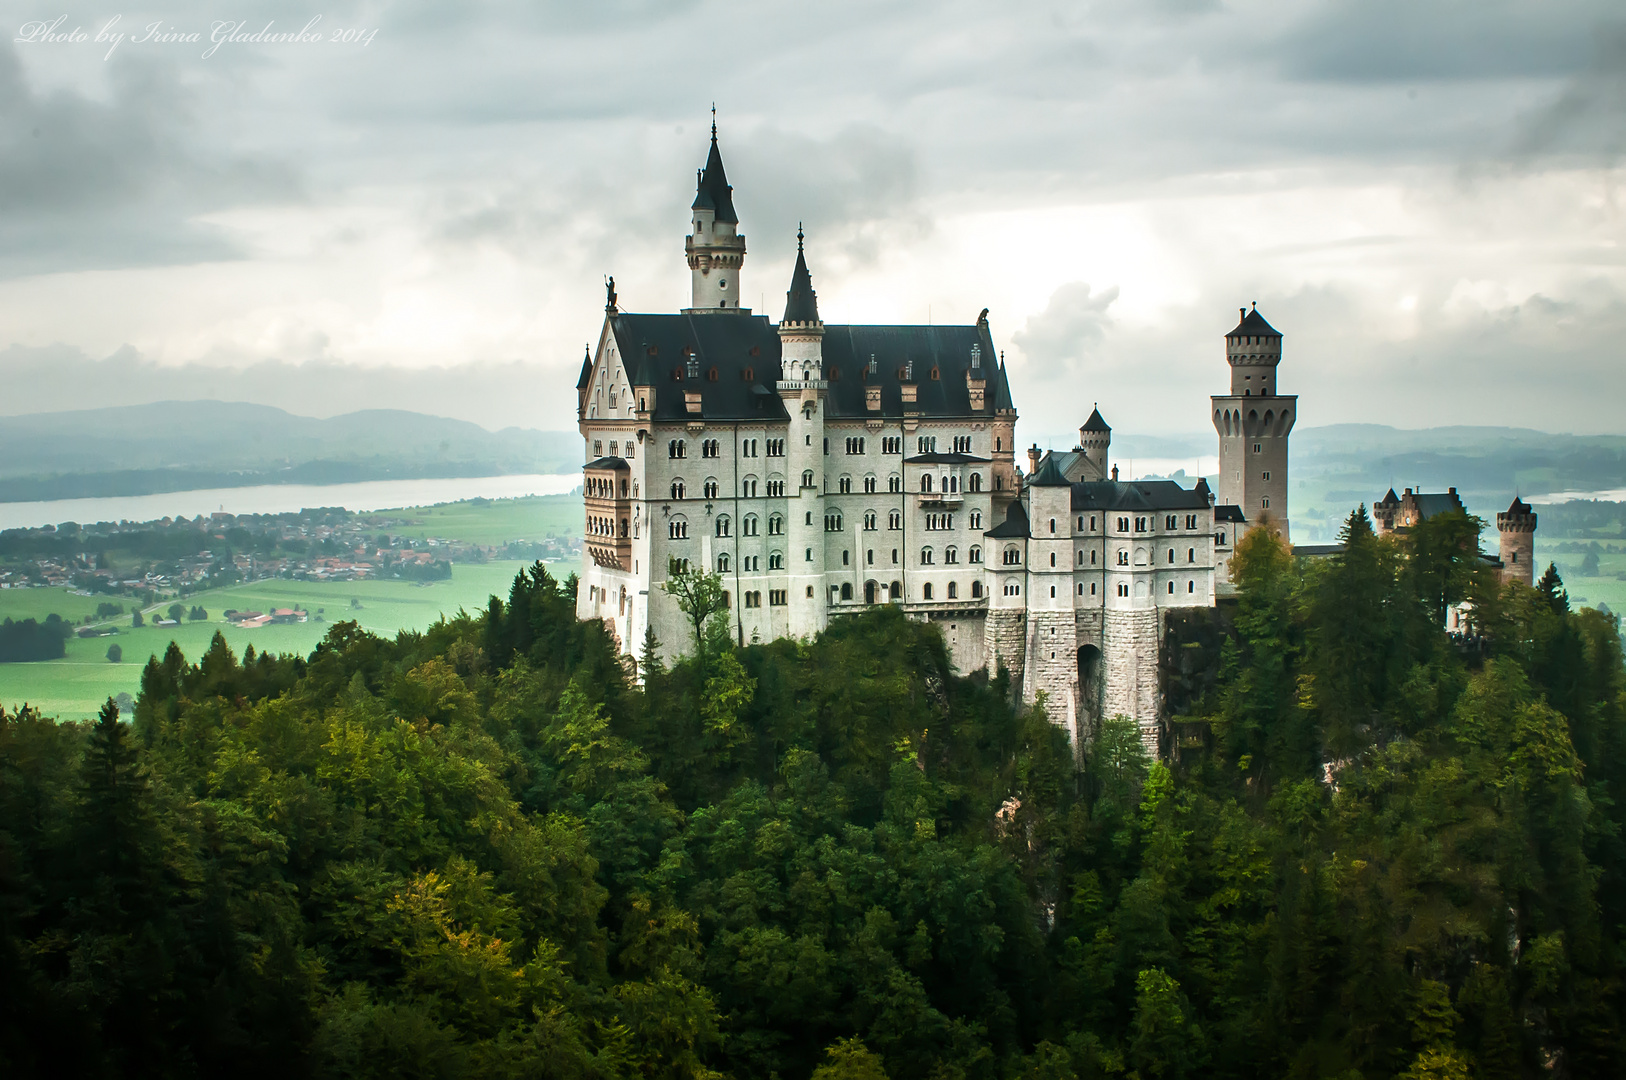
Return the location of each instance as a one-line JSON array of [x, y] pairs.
[[1033, 459], [1115, 474]]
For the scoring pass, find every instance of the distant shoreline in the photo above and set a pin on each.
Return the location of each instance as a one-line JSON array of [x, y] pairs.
[[361, 497]]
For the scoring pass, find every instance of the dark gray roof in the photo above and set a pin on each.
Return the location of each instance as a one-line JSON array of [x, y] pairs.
[[801, 302], [606, 463], [1229, 512], [587, 371], [1519, 506], [1136, 495], [1253, 324], [1430, 505], [946, 459], [1049, 475], [1318, 551], [714, 194], [653, 346], [1390, 499], [1015, 525], [1095, 422]]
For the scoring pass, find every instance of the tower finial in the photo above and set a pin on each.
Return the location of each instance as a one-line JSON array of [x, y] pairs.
[[798, 236], [714, 121]]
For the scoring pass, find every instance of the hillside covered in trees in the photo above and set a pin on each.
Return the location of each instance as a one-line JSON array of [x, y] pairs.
[[485, 850]]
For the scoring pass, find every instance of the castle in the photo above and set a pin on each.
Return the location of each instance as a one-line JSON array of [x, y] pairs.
[[822, 468]]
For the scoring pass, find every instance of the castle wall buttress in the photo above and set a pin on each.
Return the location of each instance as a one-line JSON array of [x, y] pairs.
[[1052, 668], [1129, 669], [1005, 641]]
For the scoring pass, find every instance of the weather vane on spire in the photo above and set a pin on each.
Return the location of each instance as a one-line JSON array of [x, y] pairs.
[[798, 236]]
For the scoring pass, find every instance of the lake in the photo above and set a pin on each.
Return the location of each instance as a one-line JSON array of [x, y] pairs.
[[282, 499]]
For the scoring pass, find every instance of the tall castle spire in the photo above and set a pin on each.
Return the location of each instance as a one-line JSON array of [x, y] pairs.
[[715, 248]]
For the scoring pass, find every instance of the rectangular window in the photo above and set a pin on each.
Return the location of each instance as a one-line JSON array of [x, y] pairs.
[[778, 597]]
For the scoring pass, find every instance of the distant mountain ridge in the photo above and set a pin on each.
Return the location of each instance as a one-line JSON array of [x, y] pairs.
[[177, 445]]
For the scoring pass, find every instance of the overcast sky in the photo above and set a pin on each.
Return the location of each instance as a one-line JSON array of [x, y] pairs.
[[1425, 198]]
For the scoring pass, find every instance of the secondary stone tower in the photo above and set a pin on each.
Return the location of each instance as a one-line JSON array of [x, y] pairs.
[[1517, 528], [1253, 423], [715, 247]]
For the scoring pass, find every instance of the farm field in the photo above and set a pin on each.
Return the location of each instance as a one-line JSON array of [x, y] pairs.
[[77, 685], [1606, 588], [492, 521]]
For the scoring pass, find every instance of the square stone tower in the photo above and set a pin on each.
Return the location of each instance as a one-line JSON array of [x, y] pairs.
[[1253, 423]]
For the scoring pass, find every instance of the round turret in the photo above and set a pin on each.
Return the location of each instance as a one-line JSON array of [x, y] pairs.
[[1516, 527]]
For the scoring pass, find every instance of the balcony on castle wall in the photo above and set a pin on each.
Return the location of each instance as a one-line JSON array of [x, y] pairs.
[[941, 498]]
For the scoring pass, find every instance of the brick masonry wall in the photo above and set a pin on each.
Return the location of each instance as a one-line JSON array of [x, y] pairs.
[[1006, 642], [1129, 664], [1052, 667]]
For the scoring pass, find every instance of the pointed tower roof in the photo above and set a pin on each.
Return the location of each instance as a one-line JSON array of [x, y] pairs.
[[801, 302], [1095, 422], [714, 192], [587, 370], [1002, 389], [1518, 506], [1253, 324], [1050, 474]]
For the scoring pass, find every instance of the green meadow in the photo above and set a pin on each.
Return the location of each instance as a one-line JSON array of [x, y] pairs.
[[490, 521], [78, 684]]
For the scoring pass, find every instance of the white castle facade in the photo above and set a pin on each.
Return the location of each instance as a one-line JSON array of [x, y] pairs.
[[823, 468]]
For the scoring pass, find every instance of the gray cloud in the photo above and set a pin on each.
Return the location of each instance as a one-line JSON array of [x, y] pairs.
[[1064, 340], [88, 184]]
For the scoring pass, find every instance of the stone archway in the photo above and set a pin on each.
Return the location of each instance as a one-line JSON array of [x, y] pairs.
[[1091, 686]]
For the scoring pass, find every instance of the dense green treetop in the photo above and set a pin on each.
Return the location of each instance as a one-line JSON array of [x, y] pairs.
[[1374, 850]]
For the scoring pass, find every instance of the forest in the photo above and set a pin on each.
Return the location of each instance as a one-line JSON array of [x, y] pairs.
[[1371, 850]]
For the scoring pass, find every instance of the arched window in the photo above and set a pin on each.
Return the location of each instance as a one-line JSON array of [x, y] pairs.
[[1013, 556], [709, 488], [776, 560], [677, 529], [894, 519], [974, 482], [677, 489], [975, 554], [722, 563], [807, 478], [895, 590], [926, 591], [951, 554], [894, 483], [776, 525], [869, 521], [953, 591], [925, 556], [976, 590], [847, 590], [722, 525], [748, 525], [925, 481]]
